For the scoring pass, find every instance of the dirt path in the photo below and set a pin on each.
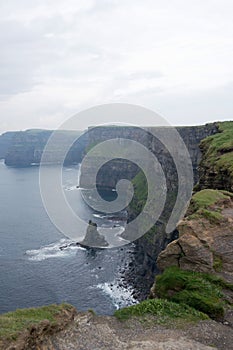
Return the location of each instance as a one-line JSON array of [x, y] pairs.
[[228, 212], [90, 332]]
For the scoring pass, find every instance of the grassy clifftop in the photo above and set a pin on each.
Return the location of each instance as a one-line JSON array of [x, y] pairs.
[[25, 325], [216, 166], [184, 296]]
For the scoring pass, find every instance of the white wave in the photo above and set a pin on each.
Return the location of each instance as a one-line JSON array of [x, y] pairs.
[[97, 215], [71, 188], [62, 249], [121, 296], [101, 216]]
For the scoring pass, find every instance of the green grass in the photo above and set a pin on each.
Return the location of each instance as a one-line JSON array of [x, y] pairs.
[[212, 216], [198, 290], [205, 198], [140, 193], [203, 205], [165, 311], [12, 323], [218, 264], [218, 148]]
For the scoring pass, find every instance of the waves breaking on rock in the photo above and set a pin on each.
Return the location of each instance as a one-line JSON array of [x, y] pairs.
[[61, 249], [119, 293]]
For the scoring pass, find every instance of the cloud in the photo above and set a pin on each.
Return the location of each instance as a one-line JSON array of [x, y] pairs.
[[58, 57]]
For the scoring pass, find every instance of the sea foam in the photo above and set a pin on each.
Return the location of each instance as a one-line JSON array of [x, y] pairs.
[[61, 249], [120, 295]]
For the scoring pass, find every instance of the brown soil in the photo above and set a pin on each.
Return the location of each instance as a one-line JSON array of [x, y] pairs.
[[90, 332]]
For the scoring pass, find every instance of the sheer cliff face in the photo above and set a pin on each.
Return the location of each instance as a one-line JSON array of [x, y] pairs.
[[120, 168], [150, 245], [24, 148], [5, 142]]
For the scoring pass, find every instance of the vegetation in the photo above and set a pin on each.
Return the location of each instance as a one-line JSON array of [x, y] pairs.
[[201, 291], [218, 148], [203, 205], [164, 311], [140, 193], [12, 323], [206, 198], [218, 264]]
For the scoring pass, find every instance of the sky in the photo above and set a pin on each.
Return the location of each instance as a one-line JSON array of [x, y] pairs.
[[59, 57]]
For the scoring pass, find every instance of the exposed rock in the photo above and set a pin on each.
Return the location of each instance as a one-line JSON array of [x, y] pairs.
[[88, 332], [37, 335], [93, 238], [203, 245], [120, 168]]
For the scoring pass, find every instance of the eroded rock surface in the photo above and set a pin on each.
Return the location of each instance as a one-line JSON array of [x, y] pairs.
[[86, 331], [89, 332], [205, 244]]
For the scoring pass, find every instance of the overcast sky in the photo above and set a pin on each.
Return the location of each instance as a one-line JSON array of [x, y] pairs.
[[59, 57]]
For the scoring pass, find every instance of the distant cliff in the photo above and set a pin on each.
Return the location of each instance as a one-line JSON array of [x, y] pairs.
[[5, 142], [24, 148]]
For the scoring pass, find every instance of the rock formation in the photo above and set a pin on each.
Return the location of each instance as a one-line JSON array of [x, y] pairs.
[[205, 242], [93, 238]]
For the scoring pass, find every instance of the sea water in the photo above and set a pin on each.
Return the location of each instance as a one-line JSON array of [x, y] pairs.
[[34, 270]]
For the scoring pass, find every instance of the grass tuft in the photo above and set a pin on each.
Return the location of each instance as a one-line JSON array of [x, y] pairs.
[[203, 204], [164, 311], [201, 291]]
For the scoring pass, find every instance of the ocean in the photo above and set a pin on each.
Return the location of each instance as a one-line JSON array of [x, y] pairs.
[[34, 271]]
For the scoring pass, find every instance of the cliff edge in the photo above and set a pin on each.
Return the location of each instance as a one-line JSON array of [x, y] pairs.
[[205, 242]]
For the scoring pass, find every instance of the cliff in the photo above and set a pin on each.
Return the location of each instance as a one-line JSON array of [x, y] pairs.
[[27, 329], [198, 266], [24, 148], [205, 242], [121, 168], [189, 297], [155, 240], [153, 324], [5, 142], [216, 166]]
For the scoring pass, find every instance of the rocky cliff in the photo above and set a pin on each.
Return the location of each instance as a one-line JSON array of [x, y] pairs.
[[159, 325], [150, 245], [24, 148], [205, 242], [121, 168], [216, 166], [5, 142]]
